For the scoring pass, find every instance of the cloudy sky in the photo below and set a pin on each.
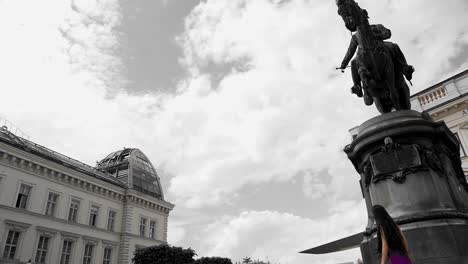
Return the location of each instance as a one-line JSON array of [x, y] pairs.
[[236, 102]]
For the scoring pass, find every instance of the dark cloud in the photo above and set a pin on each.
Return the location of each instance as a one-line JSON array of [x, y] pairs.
[[149, 48]]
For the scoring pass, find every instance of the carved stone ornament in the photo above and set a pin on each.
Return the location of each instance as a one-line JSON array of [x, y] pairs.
[[395, 161]]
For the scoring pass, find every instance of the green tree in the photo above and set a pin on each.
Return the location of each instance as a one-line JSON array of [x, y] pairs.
[[246, 260], [164, 254], [213, 260]]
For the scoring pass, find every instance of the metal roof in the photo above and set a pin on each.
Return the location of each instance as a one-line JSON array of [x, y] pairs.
[[26, 145]]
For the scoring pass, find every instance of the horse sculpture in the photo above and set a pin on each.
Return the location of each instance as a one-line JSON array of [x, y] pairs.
[[379, 66]]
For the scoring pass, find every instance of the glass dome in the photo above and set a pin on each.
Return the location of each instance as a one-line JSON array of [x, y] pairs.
[[132, 167]]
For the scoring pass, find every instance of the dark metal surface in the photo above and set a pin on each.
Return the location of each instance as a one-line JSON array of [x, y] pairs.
[[350, 242], [380, 66]]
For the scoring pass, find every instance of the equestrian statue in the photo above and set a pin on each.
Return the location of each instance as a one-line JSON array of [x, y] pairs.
[[379, 69]]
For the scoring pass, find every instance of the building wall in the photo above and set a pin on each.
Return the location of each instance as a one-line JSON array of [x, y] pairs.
[[18, 166], [448, 101]]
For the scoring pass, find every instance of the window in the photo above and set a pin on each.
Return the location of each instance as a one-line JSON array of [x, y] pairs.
[[51, 204], [107, 259], [152, 228], [93, 215], [42, 247], [462, 149], [142, 226], [88, 254], [111, 220], [23, 195], [66, 252], [11, 244], [73, 211]]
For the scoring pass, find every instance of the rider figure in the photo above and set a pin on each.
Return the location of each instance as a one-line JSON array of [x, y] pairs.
[[381, 33]]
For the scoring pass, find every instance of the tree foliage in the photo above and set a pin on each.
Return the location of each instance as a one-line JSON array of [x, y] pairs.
[[164, 254], [213, 260]]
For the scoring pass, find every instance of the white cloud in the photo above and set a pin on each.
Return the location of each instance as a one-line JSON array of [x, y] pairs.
[[280, 236], [287, 112]]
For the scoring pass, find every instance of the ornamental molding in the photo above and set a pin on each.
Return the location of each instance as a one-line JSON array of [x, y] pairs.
[[394, 161], [70, 236], [72, 181], [444, 112], [47, 231], [55, 175], [17, 224]]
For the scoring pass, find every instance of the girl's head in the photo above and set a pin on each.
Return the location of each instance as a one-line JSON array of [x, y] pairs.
[[390, 230]]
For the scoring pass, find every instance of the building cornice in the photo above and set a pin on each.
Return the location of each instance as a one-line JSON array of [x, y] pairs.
[[40, 170], [442, 112], [442, 83], [32, 167], [144, 238], [158, 205], [17, 224]]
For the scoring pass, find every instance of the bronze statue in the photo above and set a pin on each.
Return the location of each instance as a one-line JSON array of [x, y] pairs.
[[379, 66]]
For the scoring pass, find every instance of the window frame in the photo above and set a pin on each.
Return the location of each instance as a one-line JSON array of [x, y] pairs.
[[56, 205], [152, 231], [96, 220], [11, 225], [27, 205], [109, 259], [2, 180], [92, 255], [39, 251], [144, 226], [77, 213], [6, 244], [70, 254], [108, 227]]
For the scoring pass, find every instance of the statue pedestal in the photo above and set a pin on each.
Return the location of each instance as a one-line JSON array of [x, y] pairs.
[[411, 165]]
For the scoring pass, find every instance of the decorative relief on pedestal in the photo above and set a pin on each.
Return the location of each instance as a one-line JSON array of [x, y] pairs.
[[395, 161]]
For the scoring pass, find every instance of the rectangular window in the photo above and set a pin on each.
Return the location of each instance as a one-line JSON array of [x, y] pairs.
[[88, 254], [66, 252], [107, 259], [73, 211], [152, 229], [93, 215], [11, 245], [111, 220], [42, 247], [51, 204], [143, 226], [23, 196]]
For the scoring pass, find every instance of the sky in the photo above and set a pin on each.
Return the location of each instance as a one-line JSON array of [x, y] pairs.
[[236, 102]]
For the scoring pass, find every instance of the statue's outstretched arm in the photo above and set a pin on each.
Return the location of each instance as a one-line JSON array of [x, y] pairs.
[[351, 50]]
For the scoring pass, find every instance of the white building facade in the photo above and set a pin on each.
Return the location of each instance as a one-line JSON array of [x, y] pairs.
[[54, 209], [448, 101]]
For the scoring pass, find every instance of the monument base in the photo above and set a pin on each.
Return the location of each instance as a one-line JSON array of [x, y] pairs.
[[411, 165]]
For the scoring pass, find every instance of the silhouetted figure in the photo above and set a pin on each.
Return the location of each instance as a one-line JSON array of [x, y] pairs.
[[392, 243]]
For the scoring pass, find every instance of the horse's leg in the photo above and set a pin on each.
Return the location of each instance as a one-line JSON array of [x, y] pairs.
[[389, 79], [384, 105], [403, 91]]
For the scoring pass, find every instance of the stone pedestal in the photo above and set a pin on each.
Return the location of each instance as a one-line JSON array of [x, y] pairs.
[[411, 165]]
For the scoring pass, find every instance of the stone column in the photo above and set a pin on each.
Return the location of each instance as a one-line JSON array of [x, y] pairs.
[[126, 229], [411, 165]]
